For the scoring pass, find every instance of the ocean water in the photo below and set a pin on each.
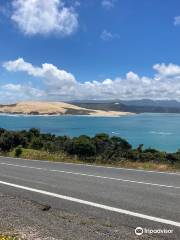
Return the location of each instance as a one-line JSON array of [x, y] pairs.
[[161, 131]]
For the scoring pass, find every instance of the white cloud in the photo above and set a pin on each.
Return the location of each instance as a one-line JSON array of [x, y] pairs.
[[108, 4], [164, 71], [48, 72], [11, 87], [177, 20], [44, 17], [18, 92], [57, 82], [108, 36], [61, 85]]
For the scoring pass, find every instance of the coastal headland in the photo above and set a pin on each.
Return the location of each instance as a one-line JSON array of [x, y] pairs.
[[55, 108]]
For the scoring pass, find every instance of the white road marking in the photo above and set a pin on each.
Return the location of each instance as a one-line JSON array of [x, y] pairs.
[[29, 180], [93, 204], [95, 166], [90, 175]]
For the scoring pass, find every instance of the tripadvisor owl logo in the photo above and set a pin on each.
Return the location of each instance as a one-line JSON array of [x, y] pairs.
[[139, 231]]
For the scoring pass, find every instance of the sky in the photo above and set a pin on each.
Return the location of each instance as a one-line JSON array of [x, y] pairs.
[[61, 50]]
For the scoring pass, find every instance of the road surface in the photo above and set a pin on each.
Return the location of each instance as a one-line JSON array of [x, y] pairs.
[[134, 198]]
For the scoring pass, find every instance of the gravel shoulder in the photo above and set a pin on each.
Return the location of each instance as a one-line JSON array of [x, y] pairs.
[[33, 221]]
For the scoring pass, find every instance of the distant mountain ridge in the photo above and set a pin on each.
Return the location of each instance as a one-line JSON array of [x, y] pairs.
[[155, 103], [136, 106]]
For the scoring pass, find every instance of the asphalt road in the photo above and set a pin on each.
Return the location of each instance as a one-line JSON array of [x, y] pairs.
[[134, 198]]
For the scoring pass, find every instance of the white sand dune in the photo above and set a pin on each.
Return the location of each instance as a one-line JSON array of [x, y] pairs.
[[54, 108]]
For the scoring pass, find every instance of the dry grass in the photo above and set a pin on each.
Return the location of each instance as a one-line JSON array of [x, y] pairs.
[[149, 166], [62, 157], [43, 155], [5, 237]]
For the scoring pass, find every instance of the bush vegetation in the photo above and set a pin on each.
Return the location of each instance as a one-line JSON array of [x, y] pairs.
[[100, 148]]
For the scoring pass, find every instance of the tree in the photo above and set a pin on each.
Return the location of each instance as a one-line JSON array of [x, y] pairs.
[[140, 147], [36, 144], [35, 132], [101, 142], [2, 130], [83, 147], [121, 143], [5, 143]]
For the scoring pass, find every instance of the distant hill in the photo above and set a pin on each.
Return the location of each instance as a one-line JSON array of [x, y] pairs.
[[135, 106], [152, 103]]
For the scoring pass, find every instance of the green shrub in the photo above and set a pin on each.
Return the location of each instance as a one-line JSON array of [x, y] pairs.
[[18, 151], [36, 143], [83, 147]]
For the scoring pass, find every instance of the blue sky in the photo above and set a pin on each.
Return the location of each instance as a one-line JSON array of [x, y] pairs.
[[107, 48]]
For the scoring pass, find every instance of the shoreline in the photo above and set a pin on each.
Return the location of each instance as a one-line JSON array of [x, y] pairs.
[[83, 115], [62, 115]]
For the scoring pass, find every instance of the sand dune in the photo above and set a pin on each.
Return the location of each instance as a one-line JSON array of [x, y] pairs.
[[54, 108]]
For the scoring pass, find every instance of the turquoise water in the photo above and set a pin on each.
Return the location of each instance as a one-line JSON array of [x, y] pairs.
[[161, 131]]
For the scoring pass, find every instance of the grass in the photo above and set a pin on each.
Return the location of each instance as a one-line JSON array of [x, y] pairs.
[[43, 155], [150, 166], [62, 157], [4, 237]]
